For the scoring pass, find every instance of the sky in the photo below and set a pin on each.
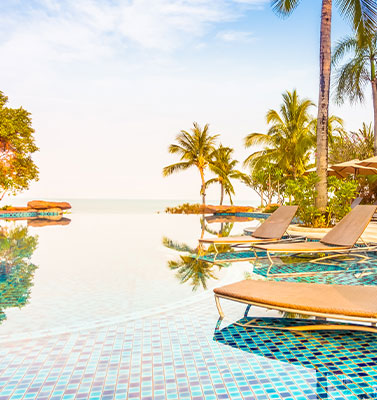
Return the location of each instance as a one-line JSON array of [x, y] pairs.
[[110, 83]]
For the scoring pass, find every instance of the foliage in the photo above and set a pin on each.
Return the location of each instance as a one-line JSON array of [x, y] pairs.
[[195, 150], [191, 269], [362, 14], [16, 245], [188, 267], [223, 166], [358, 71], [303, 191], [17, 169], [349, 146], [289, 139], [16, 271], [271, 208], [185, 208]]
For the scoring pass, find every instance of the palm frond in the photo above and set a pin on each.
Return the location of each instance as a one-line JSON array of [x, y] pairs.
[[171, 244], [342, 47], [284, 7], [362, 15], [255, 139], [171, 169]]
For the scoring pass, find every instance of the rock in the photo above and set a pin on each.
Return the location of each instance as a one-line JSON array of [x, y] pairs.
[[39, 222], [43, 205]]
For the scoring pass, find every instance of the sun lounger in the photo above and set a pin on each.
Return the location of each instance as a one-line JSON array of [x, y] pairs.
[[356, 202], [341, 239], [341, 302], [271, 230]]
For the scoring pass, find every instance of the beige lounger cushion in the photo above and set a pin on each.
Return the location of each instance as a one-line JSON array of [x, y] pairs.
[[276, 224], [349, 229], [356, 301], [344, 234], [301, 247]]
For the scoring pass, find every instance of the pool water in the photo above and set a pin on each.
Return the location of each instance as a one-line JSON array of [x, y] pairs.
[[117, 305]]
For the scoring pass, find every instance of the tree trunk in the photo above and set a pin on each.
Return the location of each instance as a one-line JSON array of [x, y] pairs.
[[261, 198], [203, 188], [374, 93], [279, 202], [269, 190], [3, 194], [221, 193], [323, 104]]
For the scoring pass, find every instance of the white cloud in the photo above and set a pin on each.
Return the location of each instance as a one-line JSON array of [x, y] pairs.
[[236, 36], [70, 28]]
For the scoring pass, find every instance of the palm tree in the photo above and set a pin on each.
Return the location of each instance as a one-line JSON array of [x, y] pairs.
[[363, 16], [356, 73], [348, 146], [289, 139], [223, 166], [195, 150]]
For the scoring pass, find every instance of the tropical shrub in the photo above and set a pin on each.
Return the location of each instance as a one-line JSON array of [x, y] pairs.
[[303, 193], [271, 208], [185, 208]]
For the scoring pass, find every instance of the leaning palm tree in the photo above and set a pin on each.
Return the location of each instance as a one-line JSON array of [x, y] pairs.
[[363, 17], [223, 166], [359, 71], [195, 150], [289, 140]]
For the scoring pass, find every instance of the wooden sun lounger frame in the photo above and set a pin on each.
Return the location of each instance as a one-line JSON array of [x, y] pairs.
[[332, 255], [313, 327], [334, 249]]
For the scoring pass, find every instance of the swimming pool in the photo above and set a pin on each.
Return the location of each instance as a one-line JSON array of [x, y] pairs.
[[93, 310]]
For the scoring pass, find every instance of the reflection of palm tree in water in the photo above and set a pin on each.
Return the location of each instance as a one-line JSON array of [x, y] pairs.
[[189, 268], [16, 270]]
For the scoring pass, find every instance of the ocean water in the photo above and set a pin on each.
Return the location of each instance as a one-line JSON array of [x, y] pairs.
[[123, 206]]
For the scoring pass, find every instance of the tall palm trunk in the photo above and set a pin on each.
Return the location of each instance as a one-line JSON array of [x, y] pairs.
[[323, 104], [374, 93], [203, 188], [221, 193]]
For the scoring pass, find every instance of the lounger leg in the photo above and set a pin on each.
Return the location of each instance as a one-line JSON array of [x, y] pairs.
[[219, 309], [247, 310], [271, 263]]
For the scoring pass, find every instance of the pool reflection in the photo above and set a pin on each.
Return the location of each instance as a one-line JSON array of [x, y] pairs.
[[16, 270], [188, 267], [336, 364]]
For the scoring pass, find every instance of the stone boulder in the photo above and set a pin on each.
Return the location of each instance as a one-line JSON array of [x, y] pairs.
[[44, 205]]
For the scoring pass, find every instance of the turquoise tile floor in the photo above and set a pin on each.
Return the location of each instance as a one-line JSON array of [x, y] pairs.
[[185, 354]]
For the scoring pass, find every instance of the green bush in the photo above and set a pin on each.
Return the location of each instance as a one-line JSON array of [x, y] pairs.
[[185, 208], [271, 208], [302, 191]]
